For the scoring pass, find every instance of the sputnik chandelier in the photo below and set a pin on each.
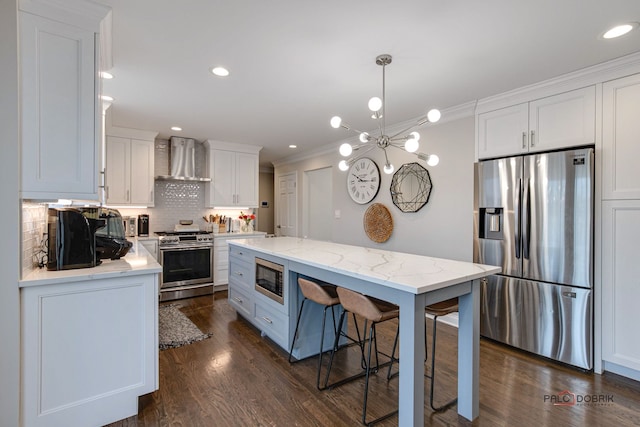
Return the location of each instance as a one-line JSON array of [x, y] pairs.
[[400, 140]]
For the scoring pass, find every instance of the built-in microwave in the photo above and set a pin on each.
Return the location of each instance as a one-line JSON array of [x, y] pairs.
[[270, 279]]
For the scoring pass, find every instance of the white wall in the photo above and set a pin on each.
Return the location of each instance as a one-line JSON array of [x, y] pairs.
[[9, 217], [442, 228]]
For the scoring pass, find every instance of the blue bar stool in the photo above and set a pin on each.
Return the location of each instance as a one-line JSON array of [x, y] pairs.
[[326, 296], [438, 309], [375, 311]]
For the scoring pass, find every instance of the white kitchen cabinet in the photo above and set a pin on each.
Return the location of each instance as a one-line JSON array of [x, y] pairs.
[[564, 120], [621, 138], [89, 350], [60, 114], [151, 245], [620, 286], [234, 172], [129, 169], [221, 265]]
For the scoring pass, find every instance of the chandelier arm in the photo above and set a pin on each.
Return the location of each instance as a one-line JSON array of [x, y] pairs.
[[405, 130], [397, 139], [353, 129], [359, 156]]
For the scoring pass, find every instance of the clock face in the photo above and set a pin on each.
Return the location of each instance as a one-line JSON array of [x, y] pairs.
[[363, 181]]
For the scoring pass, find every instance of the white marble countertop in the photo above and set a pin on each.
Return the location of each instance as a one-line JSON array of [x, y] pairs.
[[407, 272], [137, 261]]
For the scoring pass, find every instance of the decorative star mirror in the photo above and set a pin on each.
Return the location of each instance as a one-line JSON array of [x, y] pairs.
[[410, 187]]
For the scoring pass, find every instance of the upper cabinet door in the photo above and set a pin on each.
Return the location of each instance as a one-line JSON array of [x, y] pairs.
[[564, 120], [503, 132], [247, 177], [621, 138], [559, 121], [117, 173], [222, 173], [59, 95], [142, 168]]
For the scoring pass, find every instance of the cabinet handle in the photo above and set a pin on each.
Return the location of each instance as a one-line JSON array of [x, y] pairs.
[[238, 300], [533, 134], [266, 319], [128, 195], [239, 273], [524, 140], [151, 195], [106, 190]]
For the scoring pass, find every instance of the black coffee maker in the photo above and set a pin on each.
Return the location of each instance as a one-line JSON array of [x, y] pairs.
[[71, 239]]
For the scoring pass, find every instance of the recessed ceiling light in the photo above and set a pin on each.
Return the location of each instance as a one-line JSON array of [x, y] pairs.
[[220, 71], [106, 98], [619, 30], [176, 128], [293, 146], [106, 75]]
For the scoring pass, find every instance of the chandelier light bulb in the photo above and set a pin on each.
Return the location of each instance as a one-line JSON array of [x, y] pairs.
[[433, 160], [375, 104], [415, 135], [364, 137], [343, 165], [346, 149], [388, 168], [434, 115], [336, 122], [411, 145]]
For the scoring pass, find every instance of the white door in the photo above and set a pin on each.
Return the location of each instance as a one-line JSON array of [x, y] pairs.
[[318, 204], [287, 205]]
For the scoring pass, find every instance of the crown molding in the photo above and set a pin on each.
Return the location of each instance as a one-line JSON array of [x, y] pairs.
[[599, 73], [79, 13]]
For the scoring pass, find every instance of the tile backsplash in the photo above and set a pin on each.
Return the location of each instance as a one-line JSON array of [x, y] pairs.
[[34, 222]]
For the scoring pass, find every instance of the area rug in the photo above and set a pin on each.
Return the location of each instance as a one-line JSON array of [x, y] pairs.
[[175, 329]]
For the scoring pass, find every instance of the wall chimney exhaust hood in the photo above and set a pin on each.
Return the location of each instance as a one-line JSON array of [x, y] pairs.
[[183, 161]]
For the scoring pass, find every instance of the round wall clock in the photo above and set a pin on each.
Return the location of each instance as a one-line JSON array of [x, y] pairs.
[[363, 181]]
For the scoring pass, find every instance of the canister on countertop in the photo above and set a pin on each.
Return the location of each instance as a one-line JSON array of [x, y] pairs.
[[143, 225]]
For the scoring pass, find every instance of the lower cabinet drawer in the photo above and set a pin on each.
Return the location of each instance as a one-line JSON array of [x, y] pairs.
[[273, 324], [241, 302], [241, 273]]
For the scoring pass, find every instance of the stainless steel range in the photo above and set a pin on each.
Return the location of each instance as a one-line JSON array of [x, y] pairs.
[[187, 264]]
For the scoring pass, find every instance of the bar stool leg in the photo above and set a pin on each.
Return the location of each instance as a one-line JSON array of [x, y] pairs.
[[433, 373], [372, 343], [295, 333]]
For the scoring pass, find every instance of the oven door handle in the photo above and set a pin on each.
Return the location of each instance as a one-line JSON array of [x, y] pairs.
[[185, 248]]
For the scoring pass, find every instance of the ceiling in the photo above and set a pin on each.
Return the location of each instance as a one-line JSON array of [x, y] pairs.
[[294, 64]]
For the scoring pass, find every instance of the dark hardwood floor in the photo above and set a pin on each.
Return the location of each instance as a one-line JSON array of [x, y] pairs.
[[238, 378]]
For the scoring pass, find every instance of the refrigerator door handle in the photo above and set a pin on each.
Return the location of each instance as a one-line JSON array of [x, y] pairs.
[[526, 219], [516, 211]]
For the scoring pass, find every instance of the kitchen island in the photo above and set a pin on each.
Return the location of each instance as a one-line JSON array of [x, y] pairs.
[[410, 281], [89, 341]]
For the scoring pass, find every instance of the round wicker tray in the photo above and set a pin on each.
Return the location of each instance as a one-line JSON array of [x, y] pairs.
[[378, 223]]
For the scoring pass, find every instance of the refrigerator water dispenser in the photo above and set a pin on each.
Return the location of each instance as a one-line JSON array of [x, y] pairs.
[[491, 223]]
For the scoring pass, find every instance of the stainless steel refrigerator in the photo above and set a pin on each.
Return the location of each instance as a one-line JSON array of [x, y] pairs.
[[534, 217]]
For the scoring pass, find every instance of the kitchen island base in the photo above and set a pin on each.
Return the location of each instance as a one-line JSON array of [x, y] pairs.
[[410, 281]]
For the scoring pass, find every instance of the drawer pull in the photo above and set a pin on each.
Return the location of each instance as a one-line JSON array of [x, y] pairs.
[[239, 273], [238, 300], [266, 319]]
